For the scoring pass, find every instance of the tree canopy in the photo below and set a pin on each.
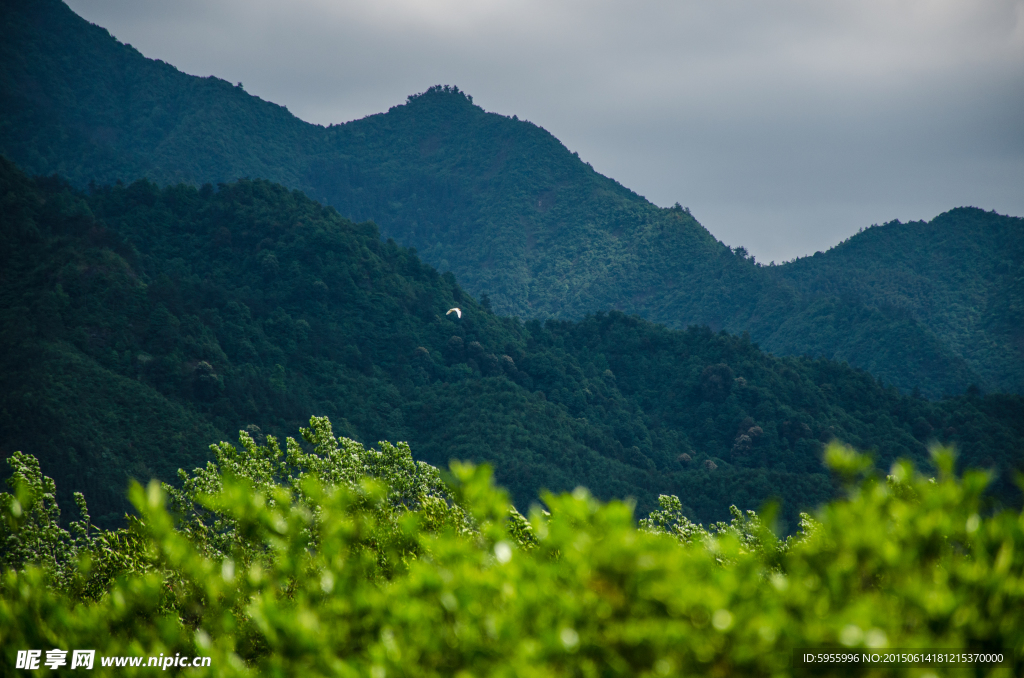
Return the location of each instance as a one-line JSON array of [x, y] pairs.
[[338, 560]]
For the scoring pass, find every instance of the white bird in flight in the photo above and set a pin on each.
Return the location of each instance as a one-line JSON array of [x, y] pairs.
[[457, 312]]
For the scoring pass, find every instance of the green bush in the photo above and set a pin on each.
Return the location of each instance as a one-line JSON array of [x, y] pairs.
[[330, 559]]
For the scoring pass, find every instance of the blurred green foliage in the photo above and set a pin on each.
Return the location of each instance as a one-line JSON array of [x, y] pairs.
[[345, 561], [134, 310], [516, 215]]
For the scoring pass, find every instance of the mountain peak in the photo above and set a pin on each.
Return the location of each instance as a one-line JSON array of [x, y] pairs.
[[449, 94]]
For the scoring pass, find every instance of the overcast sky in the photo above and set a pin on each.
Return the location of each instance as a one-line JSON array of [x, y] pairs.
[[785, 125]]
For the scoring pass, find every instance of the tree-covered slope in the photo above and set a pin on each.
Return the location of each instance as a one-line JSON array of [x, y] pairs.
[[499, 201], [136, 313], [511, 211], [519, 217], [961, 275], [515, 214], [78, 103]]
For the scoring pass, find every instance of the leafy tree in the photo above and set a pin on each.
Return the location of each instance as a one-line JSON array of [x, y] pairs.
[[910, 561]]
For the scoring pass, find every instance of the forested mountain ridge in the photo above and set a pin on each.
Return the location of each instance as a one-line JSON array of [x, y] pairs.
[[513, 213], [961, 275], [530, 217], [78, 103], [428, 171], [140, 324]]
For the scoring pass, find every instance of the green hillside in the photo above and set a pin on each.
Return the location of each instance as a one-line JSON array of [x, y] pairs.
[[961, 275], [514, 214], [517, 216], [78, 103], [136, 316]]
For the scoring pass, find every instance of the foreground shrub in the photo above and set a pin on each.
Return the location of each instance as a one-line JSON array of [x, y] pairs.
[[351, 562]]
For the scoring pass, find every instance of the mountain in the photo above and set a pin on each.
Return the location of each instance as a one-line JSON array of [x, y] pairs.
[[78, 103], [140, 324], [517, 216], [961, 275]]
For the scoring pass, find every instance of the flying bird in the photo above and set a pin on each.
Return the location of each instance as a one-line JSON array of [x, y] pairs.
[[454, 310]]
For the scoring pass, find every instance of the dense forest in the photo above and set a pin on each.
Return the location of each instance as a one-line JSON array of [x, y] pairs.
[[516, 216], [961, 274], [139, 325]]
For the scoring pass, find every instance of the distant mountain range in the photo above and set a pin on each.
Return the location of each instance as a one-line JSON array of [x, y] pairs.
[[139, 325], [515, 215]]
